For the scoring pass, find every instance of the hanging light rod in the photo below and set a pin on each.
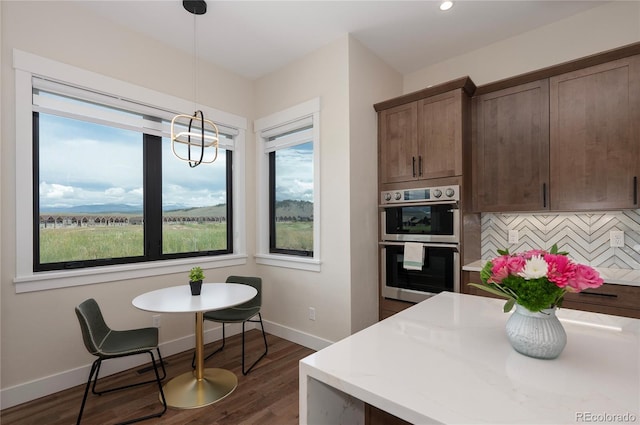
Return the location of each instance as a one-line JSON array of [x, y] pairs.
[[197, 7]]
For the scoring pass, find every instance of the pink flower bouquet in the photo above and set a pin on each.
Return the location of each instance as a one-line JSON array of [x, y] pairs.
[[535, 279]]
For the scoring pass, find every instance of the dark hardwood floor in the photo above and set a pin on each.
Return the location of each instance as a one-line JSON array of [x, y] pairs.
[[267, 395]]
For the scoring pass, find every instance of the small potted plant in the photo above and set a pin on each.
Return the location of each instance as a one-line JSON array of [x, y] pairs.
[[195, 280]]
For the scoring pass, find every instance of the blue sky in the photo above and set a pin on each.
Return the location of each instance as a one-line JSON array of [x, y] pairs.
[[87, 164]]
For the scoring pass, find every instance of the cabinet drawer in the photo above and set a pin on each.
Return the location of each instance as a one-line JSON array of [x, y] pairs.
[[619, 296]]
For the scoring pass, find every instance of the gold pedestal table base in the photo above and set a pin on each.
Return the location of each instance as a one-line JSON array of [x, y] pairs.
[[188, 392], [202, 386]]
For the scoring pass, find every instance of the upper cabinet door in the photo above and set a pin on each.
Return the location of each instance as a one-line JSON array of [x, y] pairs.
[[440, 135], [595, 137], [398, 143], [511, 149]]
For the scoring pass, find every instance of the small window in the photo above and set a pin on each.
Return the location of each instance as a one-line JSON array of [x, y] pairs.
[[288, 182], [291, 200]]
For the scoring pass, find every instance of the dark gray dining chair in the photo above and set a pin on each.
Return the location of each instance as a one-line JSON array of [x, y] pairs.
[[105, 343], [242, 313]]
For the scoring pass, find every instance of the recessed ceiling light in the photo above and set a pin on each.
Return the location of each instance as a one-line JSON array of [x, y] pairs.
[[446, 5]]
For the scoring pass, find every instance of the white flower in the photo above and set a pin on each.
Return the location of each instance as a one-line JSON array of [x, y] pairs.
[[534, 268]]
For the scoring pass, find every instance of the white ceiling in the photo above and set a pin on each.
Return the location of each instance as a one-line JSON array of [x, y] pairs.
[[254, 38]]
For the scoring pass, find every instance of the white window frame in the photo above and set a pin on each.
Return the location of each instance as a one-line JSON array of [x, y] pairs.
[[308, 111], [27, 66]]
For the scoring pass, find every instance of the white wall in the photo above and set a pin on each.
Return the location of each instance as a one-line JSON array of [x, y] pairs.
[[598, 29], [370, 81], [328, 291], [344, 293]]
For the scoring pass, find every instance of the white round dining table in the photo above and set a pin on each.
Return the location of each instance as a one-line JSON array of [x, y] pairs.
[[200, 387]]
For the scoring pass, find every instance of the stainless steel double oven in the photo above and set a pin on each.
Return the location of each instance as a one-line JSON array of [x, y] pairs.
[[429, 216]]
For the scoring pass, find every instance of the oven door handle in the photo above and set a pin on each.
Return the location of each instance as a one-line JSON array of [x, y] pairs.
[[424, 244], [419, 203]]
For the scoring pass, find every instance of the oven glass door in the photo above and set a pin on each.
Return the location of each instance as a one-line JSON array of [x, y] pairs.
[[438, 273], [431, 223]]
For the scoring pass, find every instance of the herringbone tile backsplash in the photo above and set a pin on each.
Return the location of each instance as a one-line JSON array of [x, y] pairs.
[[584, 236]]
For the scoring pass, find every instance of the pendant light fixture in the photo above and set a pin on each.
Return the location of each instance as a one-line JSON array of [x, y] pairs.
[[200, 133]]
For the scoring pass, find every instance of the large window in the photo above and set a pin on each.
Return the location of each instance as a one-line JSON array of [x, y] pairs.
[[101, 198], [97, 183], [288, 223]]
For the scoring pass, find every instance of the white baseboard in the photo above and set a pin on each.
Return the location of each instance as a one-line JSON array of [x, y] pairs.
[[22, 393], [296, 336]]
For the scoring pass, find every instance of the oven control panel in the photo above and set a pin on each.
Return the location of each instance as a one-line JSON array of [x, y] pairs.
[[424, 195]]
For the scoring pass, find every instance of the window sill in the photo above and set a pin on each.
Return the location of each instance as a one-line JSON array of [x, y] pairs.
[[289, 261], [68, 278]]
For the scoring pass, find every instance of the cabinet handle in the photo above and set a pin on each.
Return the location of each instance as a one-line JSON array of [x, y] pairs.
[[635, 190], [544, 195], [596, 294], [420, 165], [413, 165]]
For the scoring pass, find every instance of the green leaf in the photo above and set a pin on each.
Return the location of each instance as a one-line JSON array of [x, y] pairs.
[[503, 251], [485, 273], [509, 305], [554, 250], [490, 289]]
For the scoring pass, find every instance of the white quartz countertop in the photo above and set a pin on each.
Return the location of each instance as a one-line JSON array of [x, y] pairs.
[[629, 277], [448, 360]]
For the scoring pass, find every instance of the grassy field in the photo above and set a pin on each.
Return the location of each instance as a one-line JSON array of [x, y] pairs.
[[90, 243], [294, 235], [99, 242]]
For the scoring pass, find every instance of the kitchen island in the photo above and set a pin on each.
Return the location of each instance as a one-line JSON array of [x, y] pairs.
[[447, 360]]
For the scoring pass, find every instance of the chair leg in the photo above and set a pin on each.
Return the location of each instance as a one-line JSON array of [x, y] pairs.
[[162, 397], [193, 359], [86, 389], [95, 381], [95, 369], [266, 347]]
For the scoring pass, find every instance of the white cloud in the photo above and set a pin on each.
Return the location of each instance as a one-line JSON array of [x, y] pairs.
[[89, 164], [55, 191], [294, 174]]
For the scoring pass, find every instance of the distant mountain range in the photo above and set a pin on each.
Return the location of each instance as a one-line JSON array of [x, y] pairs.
[[95, 209], [291, 208], [283, 209]]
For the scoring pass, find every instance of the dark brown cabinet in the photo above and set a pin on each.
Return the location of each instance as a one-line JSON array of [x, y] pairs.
[[398, 141], [569, 142], [619, 300], [421, 135], [511, 148], [422, 139], [440, 129], [595, 136]]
